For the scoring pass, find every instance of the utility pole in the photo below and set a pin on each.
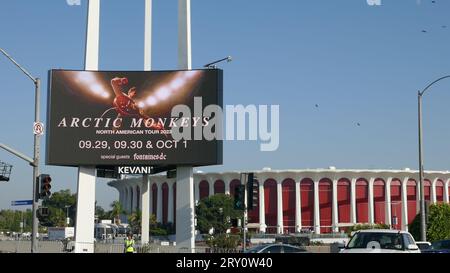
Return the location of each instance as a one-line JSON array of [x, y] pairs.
[[423, 225], [35, 161]]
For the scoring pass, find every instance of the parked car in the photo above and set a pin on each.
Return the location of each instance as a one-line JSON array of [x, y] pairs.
[[381, 241], [276, 248], [424, 246], [442, 246]]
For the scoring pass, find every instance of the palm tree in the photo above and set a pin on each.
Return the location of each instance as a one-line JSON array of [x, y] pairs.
[[135, 221], [117, 210]]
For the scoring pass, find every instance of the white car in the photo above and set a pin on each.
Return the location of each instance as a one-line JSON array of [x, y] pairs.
[[381, 241]]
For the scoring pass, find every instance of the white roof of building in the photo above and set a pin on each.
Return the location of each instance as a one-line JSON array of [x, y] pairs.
[[331, 173]]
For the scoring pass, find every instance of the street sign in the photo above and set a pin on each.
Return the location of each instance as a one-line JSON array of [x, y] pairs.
[[38, 128], [22, 203]]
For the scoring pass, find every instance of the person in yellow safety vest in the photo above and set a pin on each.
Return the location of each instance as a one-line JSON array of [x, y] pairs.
[[129, 244]]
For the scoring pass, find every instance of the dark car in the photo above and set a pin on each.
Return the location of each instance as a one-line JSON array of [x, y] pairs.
[[424, 246], [442, 246], [276, 248]]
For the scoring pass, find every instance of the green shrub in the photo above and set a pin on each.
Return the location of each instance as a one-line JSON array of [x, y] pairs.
[[438, 223], [366, 226], [223, 241]]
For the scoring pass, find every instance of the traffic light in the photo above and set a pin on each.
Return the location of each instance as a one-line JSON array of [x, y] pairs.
[[44, 186], [239, 196], [43, 211], [252, 191]]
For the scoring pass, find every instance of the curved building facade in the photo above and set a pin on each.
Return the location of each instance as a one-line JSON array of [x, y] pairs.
[[322, 200]]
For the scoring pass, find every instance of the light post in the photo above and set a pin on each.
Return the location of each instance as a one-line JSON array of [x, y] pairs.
[[67, 215], [35, 160], [423, 227]]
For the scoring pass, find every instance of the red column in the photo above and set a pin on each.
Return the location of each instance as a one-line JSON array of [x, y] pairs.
[[307, 202], [379, 194], [343, 196], [270, 202], [288, 186], [411, 189], [396, 203], [204, 189], [219, 187], [325, 204], [440, 191], [362, 199]]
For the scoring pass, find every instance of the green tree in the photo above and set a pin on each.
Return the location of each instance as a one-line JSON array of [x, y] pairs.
[[135, 221], [366, 226], [57, 208], [10, 220], [100, 212], [216, 212], [117, 210], [157, 229], [438, 223]]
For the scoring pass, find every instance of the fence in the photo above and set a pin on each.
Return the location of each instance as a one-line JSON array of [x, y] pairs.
[[17, 246], [11, 246]]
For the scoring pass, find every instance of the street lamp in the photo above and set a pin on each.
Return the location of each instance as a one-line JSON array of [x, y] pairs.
[[67, 215], [35, 160], [423, 227]]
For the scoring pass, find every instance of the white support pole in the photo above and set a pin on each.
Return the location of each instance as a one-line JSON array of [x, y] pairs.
[[84, 226], [211, 186], [262, 208], [184, 35], [148, 36], [227, 186], [404, 204], [185, 216], [279, 207], [145, 199], [446, 193], [298, 207], [92, 35], [334, 213], [316, 208], [433, 191], [145, 190], [197, 191], [185, 229], [388, 206], [371, 205], [353, 201]]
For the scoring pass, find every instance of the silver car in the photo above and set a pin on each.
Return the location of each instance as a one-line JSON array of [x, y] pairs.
[[381, 241]]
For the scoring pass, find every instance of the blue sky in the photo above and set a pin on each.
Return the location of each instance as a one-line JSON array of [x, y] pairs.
[[361, 64]]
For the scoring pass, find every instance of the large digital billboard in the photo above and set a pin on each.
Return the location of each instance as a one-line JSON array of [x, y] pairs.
[[117, 118]]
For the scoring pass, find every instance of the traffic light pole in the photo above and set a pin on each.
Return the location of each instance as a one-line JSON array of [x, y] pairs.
[[35, 160], [35, 225]]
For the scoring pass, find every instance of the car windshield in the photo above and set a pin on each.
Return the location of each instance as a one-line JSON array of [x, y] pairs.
[[376, 240]]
